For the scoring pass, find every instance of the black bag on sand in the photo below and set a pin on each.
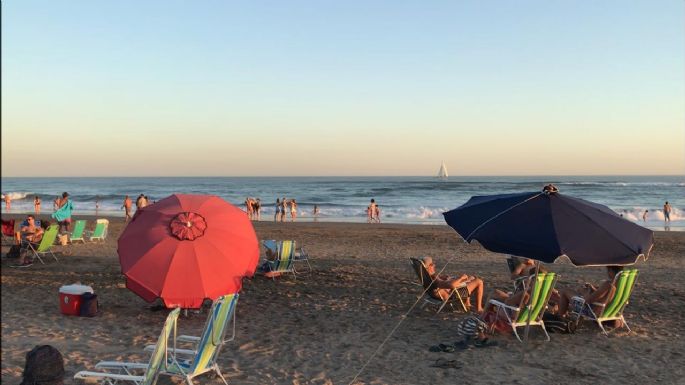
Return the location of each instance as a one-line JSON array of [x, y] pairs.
[[89, 305], [557, 324], [44, 366], [14, 251]]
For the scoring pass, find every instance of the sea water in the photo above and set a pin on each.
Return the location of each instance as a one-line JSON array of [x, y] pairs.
[[344, 199]]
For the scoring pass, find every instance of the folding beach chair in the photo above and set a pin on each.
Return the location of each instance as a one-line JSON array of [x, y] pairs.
[[284, 259], [612, 309], [190, 363], [45, 245], [116, 372], [540, 289], [77, 233], [459, 295], [512, 263], [299, 255], [100, 231], [8, 231]]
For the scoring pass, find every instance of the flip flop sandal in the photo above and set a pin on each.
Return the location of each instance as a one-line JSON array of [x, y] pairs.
[[447, 364], [442, 348]]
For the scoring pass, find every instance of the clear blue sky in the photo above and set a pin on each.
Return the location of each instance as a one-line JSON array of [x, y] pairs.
[[342, 87]]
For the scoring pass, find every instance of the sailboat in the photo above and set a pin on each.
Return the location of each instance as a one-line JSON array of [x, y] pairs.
[[442, 174]]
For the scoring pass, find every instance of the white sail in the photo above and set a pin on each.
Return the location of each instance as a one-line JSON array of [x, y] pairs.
[[442, 174]]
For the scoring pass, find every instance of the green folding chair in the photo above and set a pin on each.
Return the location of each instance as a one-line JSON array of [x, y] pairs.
[[530, 314], [79, 230], [612, 309], [115, 372], [100, 232], [45, 245]]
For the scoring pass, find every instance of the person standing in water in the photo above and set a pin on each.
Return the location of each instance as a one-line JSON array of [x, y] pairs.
[[371, 212], [127, 208], [315, 212], [644, 216], [667, 212], [36, 204], [8, 202]]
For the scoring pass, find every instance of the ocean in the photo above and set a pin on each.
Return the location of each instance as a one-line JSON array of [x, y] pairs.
[[415, 200]]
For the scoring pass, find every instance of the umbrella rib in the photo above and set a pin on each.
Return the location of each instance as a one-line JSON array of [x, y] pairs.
[[468, 238], [600, 226]]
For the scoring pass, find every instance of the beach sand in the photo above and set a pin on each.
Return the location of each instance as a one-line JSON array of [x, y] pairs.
[[321, 328]]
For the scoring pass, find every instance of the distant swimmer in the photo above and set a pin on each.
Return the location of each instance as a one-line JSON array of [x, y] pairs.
[[644, 215], [667, 212]]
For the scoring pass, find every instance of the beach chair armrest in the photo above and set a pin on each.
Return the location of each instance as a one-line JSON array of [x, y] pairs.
[[84, 375], [185, 338], [120, 365], [502, 304]]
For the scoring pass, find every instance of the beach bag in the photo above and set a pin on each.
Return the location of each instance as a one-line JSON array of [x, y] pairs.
[[63, 239], [471, 327], [495, 323], [44, 366], [557, 324], [89, 305]]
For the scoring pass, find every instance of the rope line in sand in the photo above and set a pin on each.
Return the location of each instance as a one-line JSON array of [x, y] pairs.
[[402, 318]]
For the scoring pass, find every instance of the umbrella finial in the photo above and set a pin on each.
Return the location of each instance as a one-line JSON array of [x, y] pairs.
[[550, 189], [188, 226]]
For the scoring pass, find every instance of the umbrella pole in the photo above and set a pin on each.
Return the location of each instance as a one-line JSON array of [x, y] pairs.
[[535, 281]]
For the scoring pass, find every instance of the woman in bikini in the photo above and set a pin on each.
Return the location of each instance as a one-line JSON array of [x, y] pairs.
[[293, 210], [36, 204]]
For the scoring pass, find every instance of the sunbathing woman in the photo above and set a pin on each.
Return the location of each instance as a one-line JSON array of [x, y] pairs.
[[590, 293], [445, 284]]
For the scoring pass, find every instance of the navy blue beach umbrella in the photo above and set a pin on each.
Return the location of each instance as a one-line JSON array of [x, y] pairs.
[[548, 225]]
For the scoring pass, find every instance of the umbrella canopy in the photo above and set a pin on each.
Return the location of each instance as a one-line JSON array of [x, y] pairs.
[[186, 248], [547, 225]]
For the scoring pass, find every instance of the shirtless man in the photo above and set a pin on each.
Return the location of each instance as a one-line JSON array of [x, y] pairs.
[[590, 293], [444, 284], [30, 232], [667, 212], [127, 207]]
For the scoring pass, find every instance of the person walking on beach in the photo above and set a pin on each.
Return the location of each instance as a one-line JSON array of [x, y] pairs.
[[36, 204], [63, 213], [644, 216], [293, 210], [257, 207], [315, 213], [371, 211], [667, 212], [249, 208], [284, 206], [8, 202], [127, 208], [277, 216]]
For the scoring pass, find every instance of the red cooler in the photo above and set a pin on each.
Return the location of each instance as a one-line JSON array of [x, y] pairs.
[[70, 298]]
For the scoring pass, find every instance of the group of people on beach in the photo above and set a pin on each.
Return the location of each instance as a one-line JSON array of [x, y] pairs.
[[254, 208], [141, 202], [559, 301], [283, 206]]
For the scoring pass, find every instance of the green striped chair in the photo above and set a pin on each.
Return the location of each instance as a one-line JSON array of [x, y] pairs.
[[540, 289], [284, 262], [115, 372], [190, 363], [77, 233], [612, 309], [46, 243]]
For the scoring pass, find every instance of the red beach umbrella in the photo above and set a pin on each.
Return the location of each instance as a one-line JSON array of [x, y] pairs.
[[186, 248]]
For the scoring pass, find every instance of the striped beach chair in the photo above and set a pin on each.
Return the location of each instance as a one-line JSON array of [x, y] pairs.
[[190, 363], [612, 309], [284, 260], [530, 314], [115, 372]]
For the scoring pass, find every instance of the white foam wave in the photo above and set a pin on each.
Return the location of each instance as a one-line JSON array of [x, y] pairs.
[[15, 196]]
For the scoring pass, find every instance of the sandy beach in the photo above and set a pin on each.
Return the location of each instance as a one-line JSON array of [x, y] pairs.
[[322, 327]]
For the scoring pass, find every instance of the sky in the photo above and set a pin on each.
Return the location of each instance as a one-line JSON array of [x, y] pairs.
[[342, 88]]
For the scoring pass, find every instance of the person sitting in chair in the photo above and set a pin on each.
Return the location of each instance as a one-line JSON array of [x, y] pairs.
[[591, 294], [29, 231], [445, 284], [34, 239]]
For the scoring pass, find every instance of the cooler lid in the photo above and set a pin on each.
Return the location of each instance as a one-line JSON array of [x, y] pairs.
[[75, 289]]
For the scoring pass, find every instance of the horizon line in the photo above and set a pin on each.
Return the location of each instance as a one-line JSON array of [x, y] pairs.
[[342, 176]]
